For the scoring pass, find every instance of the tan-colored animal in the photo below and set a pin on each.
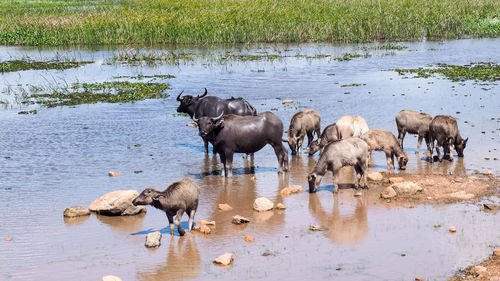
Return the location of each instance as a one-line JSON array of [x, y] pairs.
[[412, 122], [385, 141], [351, 126], [303, 123]]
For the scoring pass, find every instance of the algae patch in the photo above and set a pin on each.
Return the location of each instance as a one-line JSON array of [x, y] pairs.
[[477, 71], [110, 92], [20, 65]]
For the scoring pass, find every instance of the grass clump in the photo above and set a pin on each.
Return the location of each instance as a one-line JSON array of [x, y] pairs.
[[479, 71], [56, 22], [20, 65], [111, 92], [347, 57], [353, 85]]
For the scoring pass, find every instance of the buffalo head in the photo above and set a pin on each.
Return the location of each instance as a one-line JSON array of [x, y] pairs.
[[145, 198], [292, 142], [314, 147], [460, 146], [314, 181], [188, 101], [207, 125], [402, 160]]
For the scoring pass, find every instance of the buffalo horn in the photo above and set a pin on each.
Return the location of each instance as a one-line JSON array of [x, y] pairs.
[[179, 96], [195, 119], [215, 119], [204, 94]]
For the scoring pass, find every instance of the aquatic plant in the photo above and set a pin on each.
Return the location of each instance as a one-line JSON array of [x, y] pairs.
[[111, 92], [55, 22], [478, 71], [19, 65]]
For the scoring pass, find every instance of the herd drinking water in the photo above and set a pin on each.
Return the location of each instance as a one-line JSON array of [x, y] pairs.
[[233, 126]]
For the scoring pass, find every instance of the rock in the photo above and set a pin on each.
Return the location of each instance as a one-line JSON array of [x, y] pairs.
[[117, 203], [280, 206], [252, 178], [225, 207], [204, 222], [153, 239], [478, 270], [496, 252], [472, 178], [262, 204], [358, 193], [406, 187], [388, 193], [453, 229], [491, 207], [429, 198], [76, 211], [114, 174], [375, 176], [461, 195], [317, 228], [249, 239], [458, 179], [202, 229], [419, 279], [8, 239], [287, 101], [192, 124], [291, 189], [239, 220], [437, 225], [488, 173], [396, 179], [111, 278], [225, 259]]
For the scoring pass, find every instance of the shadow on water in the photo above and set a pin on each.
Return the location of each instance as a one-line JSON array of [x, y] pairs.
[[165, 230]]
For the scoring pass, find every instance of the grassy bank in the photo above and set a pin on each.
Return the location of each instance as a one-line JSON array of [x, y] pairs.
[[57, 22]]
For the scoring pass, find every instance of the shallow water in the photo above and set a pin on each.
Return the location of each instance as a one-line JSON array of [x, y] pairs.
[[60, 157]]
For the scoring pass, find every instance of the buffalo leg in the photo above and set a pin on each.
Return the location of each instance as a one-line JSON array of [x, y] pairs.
[[309, 139], [359, 173], [335, 177], [278, 150], [171, 224], [229, 164], [223, 160], [205, 142], [300, 141], [178, 221], [191, 219], [389, 159], [419, 142], [401, 137]]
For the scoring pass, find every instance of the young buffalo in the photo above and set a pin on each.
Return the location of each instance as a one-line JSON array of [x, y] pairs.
[[385, 141], [444, 130], [303, 123], [179, 197]]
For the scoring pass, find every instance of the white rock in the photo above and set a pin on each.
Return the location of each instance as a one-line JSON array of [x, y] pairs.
[[117, 203], [388, 193], [76, 211], [262, 204], [461, 195], [153, 239], [407, 187], [224, 259], [111, 278], [375, 176]]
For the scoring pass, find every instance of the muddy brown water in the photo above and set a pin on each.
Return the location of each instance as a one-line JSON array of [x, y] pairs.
[[50, 162]]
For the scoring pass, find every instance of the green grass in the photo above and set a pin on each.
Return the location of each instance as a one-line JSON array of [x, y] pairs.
[[19, 65], [58, 22]]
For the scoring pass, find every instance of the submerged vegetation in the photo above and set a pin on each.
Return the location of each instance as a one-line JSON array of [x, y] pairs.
[[20, 65], [111, 92], [480, 71], [57, 22]]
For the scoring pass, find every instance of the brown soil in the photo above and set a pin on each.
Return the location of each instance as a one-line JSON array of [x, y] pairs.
[[439, 188], [492, 271]]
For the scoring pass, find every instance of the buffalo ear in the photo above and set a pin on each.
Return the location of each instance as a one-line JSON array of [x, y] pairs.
[[465, 141], [219, 123], [157, 197], [285, 140]]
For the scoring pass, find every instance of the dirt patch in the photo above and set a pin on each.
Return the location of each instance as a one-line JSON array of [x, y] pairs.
[[443, 188], [487, 270]]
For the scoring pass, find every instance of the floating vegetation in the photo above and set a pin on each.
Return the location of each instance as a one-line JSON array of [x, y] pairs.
[[479, 71], [391, 47], [348, 56], [353, 85], [20, 65], [33, 111], [111, 92], [141, 77]]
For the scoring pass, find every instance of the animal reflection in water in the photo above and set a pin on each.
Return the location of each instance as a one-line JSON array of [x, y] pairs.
[[183, 262], [344, 229]]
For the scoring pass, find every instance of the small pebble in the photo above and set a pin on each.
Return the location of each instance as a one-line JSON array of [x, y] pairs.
[[453, 229]]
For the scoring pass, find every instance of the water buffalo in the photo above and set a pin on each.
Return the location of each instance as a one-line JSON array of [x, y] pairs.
[[385, 141], [179, 197], [444, 130], [346, 126], [347, 152], [329, 134], [303, 123], [211, 106], [244, 134], [412, 122]]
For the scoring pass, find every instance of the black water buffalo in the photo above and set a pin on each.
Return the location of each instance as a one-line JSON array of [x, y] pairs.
[[200, 106], [444, 130], [244, 134]]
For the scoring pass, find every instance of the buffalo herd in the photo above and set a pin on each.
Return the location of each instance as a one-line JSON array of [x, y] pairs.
[[233, 125]]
